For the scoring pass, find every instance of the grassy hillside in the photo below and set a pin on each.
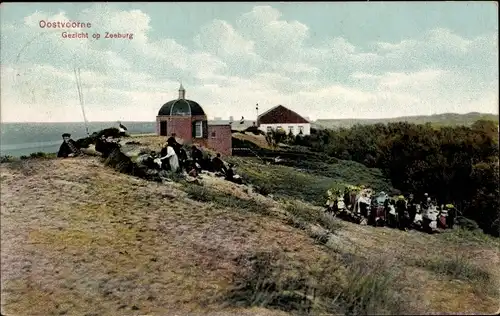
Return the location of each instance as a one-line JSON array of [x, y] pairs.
[[445, 119], [79, 238], [306, 181]]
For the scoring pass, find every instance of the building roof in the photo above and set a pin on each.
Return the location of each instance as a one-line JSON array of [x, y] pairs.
[[281, 115], [235, 125], [181, 107]]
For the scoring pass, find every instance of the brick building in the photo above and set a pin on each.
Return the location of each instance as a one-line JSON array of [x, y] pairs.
[[187, 120]]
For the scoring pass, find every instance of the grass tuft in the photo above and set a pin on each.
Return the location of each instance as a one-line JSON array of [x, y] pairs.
[[208, 195], [459, 268], [303, 213], [328, 287], [456, 268]]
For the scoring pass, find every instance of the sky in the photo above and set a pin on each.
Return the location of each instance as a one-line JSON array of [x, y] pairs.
[[323, 60]]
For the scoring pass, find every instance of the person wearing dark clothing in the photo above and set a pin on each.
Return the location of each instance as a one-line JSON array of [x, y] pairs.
[[452, 214], [165, 165], [100, 144], [207, 163], [412, 208], [347, 198], [68, 148], [230, 173], [196, 154], [150, 161], [171, 141], [218, 164], [106, 146], [402, 213], [181, 153]]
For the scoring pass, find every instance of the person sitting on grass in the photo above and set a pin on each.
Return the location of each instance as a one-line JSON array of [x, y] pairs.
[[231, 176], [196, 154], [100, 144], [192, 170], [168, 155], [68, 147], [107, 145], [207, 163], [182, 155], [218, 165]]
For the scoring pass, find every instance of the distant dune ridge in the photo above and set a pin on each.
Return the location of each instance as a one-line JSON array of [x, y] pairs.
[[444, 119]]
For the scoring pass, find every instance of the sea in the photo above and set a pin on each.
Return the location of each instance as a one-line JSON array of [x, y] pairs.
[[18, 139]]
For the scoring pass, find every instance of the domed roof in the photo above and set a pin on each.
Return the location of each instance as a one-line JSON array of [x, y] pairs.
[[181, 107]]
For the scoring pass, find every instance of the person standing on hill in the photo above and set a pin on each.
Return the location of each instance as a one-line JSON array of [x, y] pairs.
[[401, 210], [68, 147], [412, 208], [452, 214]]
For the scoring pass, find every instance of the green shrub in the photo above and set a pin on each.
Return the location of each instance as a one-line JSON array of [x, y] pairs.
[[6, 158]]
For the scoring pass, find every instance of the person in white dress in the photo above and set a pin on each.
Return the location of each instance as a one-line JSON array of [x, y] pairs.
[[173, 160]]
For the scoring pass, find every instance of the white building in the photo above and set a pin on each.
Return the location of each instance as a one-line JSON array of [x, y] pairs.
[[279, 117]]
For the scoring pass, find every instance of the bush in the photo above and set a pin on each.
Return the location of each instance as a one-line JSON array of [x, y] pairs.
[[263, 189], [41, 155], [467, 223], [6, 158]]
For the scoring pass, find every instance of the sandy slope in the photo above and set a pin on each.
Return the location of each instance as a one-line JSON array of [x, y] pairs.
[[81, 239]]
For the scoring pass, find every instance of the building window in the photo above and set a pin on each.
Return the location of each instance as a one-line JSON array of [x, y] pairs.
[[301, 129], [290, 129], [269, 129], [198, 129], [213, 134]]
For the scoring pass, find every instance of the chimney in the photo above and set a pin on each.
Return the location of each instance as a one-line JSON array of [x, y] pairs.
[[182, 92], [231, 118]]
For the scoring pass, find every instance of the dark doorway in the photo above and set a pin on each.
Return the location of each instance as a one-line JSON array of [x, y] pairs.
[[163, 128]]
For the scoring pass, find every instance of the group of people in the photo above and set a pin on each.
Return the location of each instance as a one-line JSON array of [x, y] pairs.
[[399, 211], [173, 157]]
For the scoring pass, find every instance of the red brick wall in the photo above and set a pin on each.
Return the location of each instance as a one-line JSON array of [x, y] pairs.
[[182, 126], [219, 136], [222, 142]]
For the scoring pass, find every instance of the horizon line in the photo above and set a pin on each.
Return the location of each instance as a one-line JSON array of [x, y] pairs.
[[221, 119]]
